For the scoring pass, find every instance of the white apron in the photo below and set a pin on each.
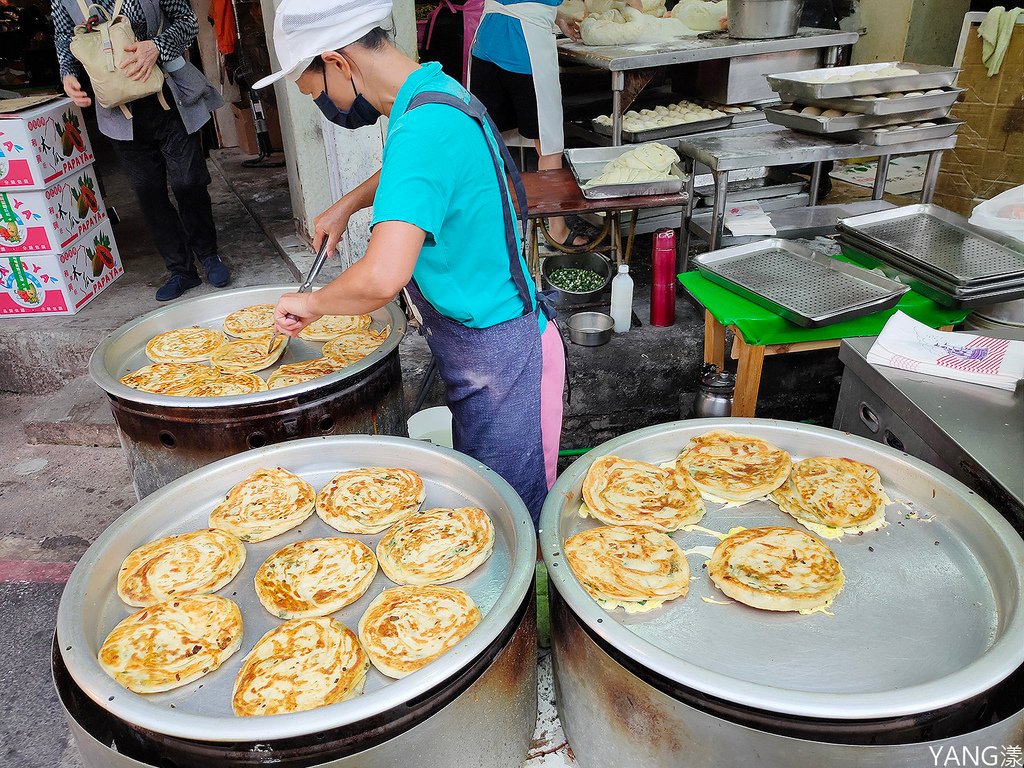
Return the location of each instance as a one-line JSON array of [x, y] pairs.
[[538, 21]]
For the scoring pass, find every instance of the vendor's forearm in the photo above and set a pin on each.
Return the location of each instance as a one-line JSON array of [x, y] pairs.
[[362, 196]]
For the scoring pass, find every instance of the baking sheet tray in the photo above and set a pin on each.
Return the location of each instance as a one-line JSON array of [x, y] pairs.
[[801, 85], [829, 125], [666, 132], [945, 127], [891, 106], [90, 607], [124, 350], [803, 285], [918, 625], [941, 242], [777, 185], [588, 162]]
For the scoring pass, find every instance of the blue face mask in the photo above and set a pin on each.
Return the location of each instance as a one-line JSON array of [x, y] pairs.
[[359, 115]]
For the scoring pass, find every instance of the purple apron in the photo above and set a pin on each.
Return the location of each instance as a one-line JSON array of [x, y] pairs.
[[492, 375]]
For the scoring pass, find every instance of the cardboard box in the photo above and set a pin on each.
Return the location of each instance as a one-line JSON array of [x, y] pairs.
[[38, 221], [60, 284], [42, 144]]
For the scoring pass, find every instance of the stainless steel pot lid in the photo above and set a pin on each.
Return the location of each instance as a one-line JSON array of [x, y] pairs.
[[90, 607], [931, 613], [124, 350]]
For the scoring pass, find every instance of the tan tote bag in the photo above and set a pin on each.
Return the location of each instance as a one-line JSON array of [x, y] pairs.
[[100, 48]]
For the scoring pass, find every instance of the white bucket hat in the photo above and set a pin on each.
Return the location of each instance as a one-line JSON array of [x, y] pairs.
[[303, 29]]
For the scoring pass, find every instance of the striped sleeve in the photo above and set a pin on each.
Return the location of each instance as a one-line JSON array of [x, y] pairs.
[[63, 28], [181, 27]]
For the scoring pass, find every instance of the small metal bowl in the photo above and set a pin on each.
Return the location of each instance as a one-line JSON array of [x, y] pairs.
[[595, 262], [590, 329]]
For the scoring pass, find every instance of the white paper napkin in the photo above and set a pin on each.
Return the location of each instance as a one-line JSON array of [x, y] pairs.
[[748, 219]]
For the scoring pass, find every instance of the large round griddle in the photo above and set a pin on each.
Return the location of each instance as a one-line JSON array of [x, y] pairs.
[[930, 615], [90, 607], [124, 350]]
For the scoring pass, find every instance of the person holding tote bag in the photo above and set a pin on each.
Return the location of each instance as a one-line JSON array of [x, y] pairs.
[[158, 141]]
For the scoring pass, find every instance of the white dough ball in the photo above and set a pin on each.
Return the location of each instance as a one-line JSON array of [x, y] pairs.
[[832, 113], [811, 111]]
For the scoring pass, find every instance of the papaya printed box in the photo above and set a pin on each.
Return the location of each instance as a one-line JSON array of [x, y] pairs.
[[63, 283], [42, 144]]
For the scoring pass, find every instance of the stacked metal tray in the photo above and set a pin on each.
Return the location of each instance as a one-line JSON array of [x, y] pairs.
[[882, 138], [802, 285], [587, 163], [885, 104], [821, 125], [668, 131], [807, 84], [939, 253]]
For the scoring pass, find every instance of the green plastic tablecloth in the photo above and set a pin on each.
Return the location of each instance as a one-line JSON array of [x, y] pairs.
[[761, 326]]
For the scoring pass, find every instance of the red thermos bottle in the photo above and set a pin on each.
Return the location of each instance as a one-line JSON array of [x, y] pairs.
[[663, 287]]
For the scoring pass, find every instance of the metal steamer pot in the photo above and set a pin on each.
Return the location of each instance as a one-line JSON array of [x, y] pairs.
[[922, 659], [165, 437], [477, 701]]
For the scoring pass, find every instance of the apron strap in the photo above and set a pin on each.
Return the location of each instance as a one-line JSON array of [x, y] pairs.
[[478, 112]]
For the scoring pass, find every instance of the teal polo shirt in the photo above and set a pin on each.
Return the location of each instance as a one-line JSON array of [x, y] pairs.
[[437, 174]]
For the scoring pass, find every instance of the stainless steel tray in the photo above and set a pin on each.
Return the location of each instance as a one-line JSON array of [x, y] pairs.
[[918, 626], [830, 125], [942, 243], [945, 127], [589, 162], [888, 106], [869, 255], [779, 184], [668, 131], [803, 285], [124, 350], [90, 607], [801, 85]]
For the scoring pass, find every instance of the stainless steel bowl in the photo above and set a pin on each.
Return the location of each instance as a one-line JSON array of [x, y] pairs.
[[590, 329], [595, 262]]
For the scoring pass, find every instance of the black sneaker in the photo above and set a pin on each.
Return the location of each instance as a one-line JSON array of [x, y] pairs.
[[176, 286], [217, 274]]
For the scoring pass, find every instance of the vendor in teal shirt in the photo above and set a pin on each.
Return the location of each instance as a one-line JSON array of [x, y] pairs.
[[443, 231]]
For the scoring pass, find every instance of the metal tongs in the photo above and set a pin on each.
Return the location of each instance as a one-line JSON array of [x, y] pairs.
[[307, 285]]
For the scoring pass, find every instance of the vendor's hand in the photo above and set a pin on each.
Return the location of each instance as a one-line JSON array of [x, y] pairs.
[[74, 90], [331, 225], [142, 56], [570, 27], [293, 313]]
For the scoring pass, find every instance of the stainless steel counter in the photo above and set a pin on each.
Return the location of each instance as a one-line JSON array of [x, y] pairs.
[[973, 432], [620, 58]]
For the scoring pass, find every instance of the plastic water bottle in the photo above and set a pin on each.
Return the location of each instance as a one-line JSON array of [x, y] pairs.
[[622, 299]]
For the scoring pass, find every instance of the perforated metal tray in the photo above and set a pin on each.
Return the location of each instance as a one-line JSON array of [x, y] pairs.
[[90, 607], [918, 626], [803, 285], [888, 106], [828, 125], [804, 84], [942, 243]]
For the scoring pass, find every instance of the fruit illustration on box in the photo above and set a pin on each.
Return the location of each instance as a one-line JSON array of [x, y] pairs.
[[85, 196], [29, 296], [10, 233], [100, 255], [70, 134]]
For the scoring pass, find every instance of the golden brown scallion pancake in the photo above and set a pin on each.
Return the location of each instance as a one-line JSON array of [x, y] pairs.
[[370, 499], [230, 384], [351, 346], [301, 665], [250, 322], [625, 492], [830, 495], [265, 504], [406, 628], [176, 379], [315, 577], [248, 355], [184, 345], [776, 569], [191, 563], [172, 643], [628, 566], [330, 326], [734, 468], [436, 546], [298, 373]]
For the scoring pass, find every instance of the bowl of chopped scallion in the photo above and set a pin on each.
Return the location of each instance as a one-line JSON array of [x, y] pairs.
[[576, 278]]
